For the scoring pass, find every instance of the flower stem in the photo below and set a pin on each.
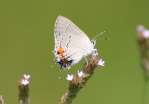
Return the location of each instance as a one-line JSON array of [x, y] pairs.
[[1, 100], [143, 43], [23, 87], [77, 83]]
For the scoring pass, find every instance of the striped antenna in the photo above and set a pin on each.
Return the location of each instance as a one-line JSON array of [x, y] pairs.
[[99, 34]]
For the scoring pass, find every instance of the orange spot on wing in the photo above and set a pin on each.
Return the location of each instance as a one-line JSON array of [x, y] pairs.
[[60, 52]]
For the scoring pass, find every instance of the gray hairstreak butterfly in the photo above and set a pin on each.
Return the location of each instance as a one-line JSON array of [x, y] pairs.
[[71, 43]]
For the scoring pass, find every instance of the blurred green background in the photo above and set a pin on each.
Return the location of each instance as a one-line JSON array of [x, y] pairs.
[[26, 45]]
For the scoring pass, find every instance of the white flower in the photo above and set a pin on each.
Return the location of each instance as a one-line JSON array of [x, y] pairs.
[[26, 76], [101, 62], [25, 79], [140, 28], [24, 82], [69, 77], [142, 31], [80, 73], [146, 34]]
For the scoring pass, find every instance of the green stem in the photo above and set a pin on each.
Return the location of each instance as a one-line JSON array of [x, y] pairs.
[[146, 91]]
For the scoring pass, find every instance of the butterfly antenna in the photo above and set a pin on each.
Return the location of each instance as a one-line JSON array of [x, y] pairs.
[[99, 34], [96, 36]]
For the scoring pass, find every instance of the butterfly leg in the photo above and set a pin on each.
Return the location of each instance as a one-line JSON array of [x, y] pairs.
[[85, 58]]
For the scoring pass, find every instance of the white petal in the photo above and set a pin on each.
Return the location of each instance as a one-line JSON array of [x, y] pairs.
[[69, 77], [100, 62]]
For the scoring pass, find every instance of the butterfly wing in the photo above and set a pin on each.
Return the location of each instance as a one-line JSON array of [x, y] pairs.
[[72, 39]]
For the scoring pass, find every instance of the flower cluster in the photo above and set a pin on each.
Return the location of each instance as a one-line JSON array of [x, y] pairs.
[[142, 32], [25, 79], [81, 74]]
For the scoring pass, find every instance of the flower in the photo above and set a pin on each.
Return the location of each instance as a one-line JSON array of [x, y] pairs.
[[80, 74], [142, 31], [101, 62], [25, 79], [146, 34], [69, 77], [24, 82], [26, 76], [140, 28]]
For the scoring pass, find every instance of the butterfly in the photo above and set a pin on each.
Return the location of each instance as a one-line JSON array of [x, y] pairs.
[[71, 43]]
